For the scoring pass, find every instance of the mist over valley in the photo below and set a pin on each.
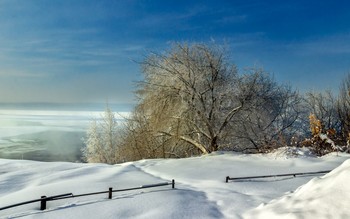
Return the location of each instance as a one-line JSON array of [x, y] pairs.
[[48, 132]]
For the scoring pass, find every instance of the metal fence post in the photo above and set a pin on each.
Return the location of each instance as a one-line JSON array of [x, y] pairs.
[[43, 203], [110, 193], [173, 183]]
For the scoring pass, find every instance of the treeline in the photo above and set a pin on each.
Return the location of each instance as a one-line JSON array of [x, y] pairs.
[[194, 101]]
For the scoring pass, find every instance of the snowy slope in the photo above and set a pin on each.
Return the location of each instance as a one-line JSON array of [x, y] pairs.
[[325, 197], [201, 191]]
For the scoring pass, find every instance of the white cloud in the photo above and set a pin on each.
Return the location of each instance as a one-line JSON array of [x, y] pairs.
[[19, 73]]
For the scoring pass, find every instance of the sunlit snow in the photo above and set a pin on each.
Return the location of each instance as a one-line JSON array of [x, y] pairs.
[[201, 191]]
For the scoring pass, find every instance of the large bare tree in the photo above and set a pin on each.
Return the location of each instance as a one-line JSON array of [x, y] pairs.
[[188, 95], [192, 100]]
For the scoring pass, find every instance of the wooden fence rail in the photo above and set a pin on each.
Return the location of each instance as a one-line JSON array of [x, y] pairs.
[[44, 199], [276, 175]]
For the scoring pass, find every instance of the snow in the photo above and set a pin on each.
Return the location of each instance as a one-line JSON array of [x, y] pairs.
[[324, 197], [200, 189]]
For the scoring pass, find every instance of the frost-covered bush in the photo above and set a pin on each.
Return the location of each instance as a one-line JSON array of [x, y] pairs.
[[102, 140]]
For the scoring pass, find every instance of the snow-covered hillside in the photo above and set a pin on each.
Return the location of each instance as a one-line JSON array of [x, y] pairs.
[[201, 191]]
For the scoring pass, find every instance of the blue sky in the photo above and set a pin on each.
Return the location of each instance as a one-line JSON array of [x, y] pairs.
[[84, 50]]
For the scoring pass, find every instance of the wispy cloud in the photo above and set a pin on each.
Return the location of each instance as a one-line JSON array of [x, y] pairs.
[[21, 74], [232, 19], [167, 20], [64, 52], [329, 45]]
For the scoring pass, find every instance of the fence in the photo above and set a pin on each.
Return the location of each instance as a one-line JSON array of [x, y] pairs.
[[44, 199], [277, 175]]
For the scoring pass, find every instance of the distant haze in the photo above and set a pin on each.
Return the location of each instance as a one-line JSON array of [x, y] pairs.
[[116, 107], [49, 132]]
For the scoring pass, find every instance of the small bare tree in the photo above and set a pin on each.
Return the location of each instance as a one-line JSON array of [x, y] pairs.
[[343, 108], [324, 106], [329, 120], [101, 143]]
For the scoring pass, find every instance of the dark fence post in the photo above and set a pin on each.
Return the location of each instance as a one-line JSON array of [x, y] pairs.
[[110, 193], [173, 183], [43, 203]]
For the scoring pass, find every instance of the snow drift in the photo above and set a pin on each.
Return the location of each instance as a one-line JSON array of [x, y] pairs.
[[324, 197], [201, 191]]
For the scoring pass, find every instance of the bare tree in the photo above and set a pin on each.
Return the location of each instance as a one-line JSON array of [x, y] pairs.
[[270, 119], [188, 95], [102, 143], [324, 106], [343, 108], [139, 141], [192, 101]]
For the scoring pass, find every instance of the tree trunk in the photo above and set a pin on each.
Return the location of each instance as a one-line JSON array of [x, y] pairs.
[[214, 144]]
